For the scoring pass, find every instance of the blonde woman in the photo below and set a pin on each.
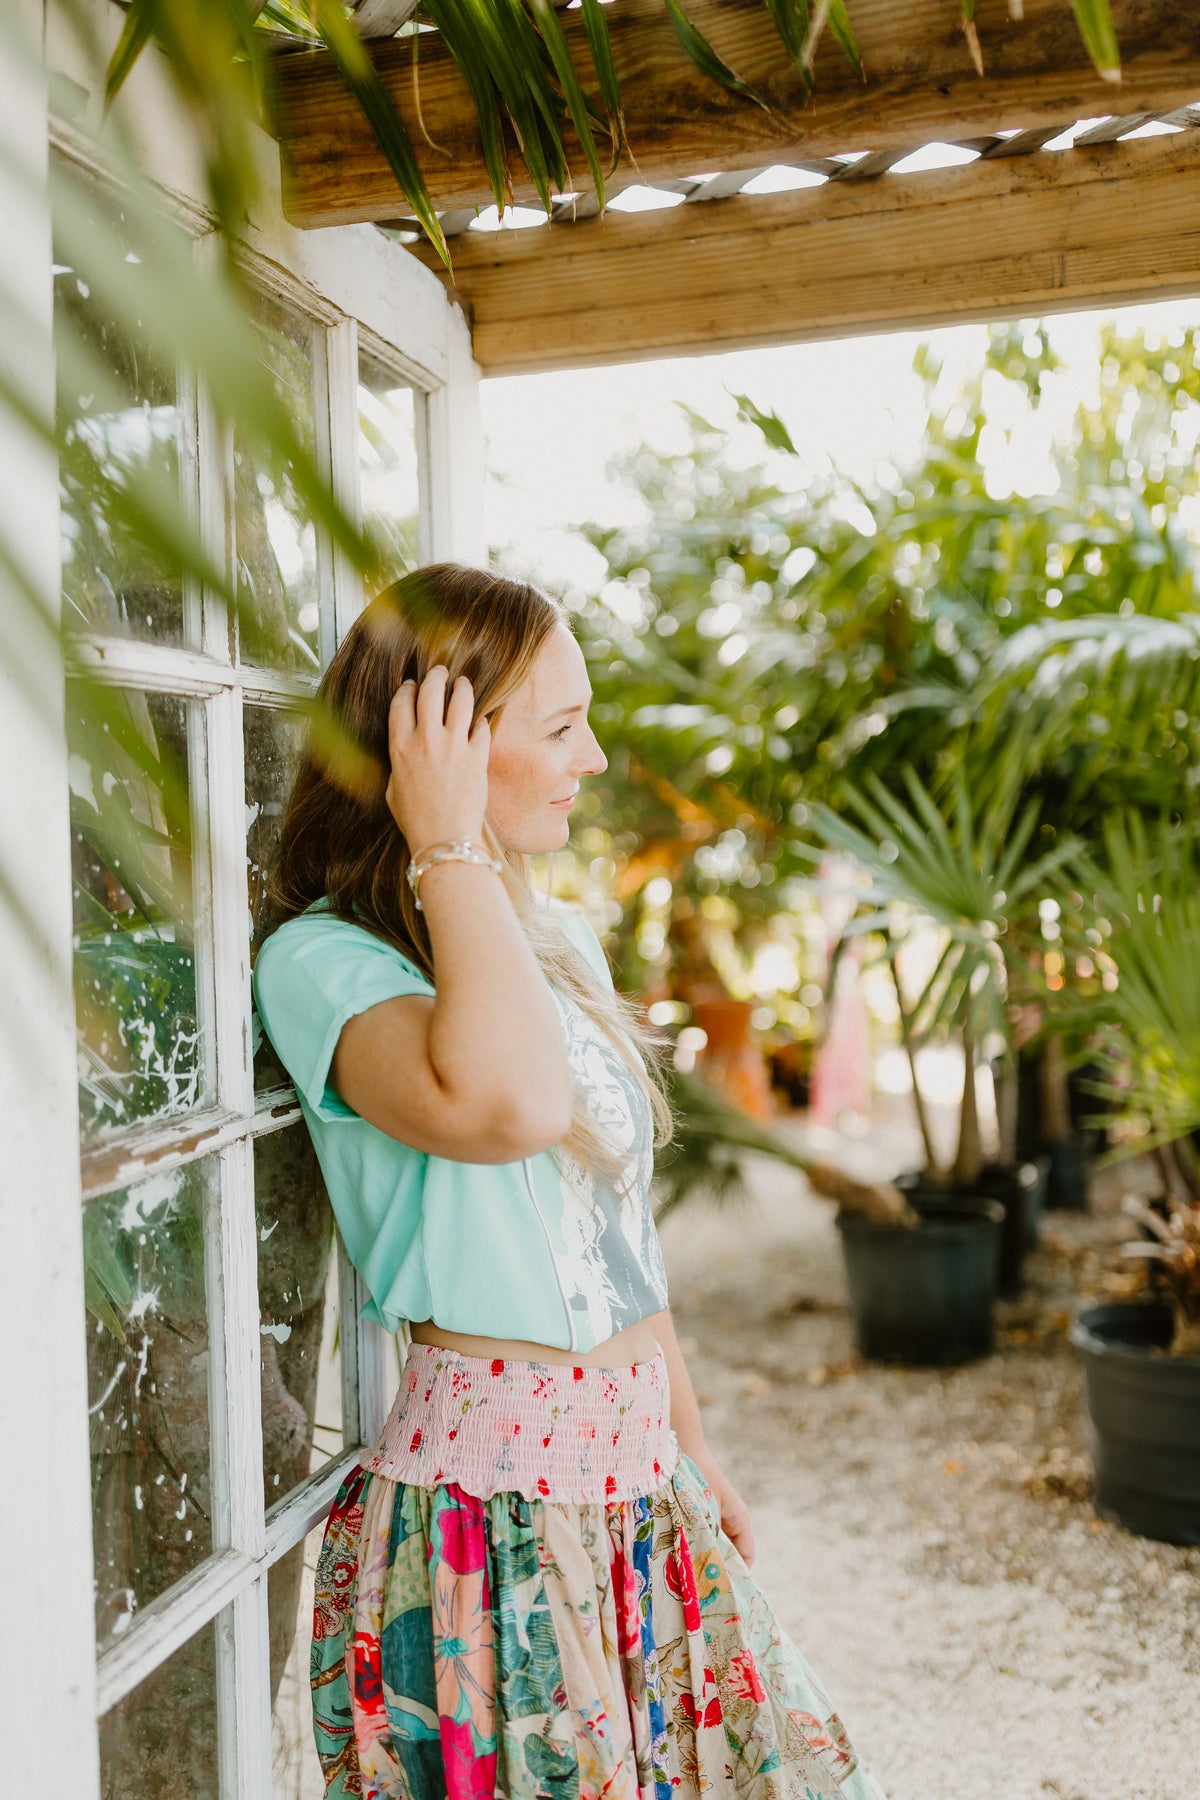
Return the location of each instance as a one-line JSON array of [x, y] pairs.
[[538, 1583]]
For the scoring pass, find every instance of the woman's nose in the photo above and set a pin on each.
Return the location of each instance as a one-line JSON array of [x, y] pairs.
[[594, 761]]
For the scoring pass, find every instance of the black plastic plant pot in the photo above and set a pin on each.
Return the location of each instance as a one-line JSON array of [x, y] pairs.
[[924, 1295], [1143, 1420], [1017, 1190], [1035, 1202], [1067, 1184]]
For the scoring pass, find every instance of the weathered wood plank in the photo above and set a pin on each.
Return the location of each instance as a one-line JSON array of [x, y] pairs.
[[921, 86], [1037, 233]]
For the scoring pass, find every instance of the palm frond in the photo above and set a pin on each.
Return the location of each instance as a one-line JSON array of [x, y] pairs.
[[699, 51], [1145, 887], [349, 52], [1095, 21]]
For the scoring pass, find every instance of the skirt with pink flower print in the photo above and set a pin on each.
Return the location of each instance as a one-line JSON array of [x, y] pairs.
[[474, 1640]]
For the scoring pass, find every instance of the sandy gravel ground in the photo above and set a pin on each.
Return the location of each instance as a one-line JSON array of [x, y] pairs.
[[927, 1537]]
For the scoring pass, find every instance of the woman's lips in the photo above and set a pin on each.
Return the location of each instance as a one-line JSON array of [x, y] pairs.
[[570, 801]]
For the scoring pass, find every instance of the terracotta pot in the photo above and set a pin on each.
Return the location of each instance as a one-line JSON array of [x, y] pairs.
[[732, 1060]]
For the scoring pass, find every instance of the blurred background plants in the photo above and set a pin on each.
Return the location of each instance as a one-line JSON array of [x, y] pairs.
[[766, 645]]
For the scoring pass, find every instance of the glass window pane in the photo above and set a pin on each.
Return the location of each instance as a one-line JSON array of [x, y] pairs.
[[387, 461], [148, 1370], [134, 900], [276, 539], [160, 1742], [298, 1303], [273, 738], [294, 1763], [111, 432]]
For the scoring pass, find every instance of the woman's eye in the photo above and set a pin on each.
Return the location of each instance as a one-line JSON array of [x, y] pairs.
[[561, 732]]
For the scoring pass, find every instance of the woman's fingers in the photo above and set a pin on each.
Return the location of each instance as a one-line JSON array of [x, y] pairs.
[[438, 783], [461, 708], [402, 713], [431, 698]]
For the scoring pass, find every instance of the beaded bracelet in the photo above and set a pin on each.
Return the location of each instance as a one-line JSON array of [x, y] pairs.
[[461, 850]]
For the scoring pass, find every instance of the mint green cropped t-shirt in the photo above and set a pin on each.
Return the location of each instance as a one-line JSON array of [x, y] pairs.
[[536, 1250]]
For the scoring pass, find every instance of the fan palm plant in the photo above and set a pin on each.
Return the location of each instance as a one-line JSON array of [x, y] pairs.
[[967, 868], [1144, 899]]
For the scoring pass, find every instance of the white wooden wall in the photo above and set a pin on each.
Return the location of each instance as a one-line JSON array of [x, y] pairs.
[[47, 1668]]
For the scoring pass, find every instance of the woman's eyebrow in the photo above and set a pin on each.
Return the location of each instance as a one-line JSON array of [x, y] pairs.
[[562, 712]]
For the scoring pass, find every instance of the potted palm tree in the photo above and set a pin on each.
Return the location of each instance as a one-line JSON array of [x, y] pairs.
[[1142, 1356], [966, 868]]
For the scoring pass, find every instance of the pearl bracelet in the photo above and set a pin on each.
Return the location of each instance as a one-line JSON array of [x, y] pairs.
[[461, 850]]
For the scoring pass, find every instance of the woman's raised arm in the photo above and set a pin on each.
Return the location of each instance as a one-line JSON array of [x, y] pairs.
[[477, 1072]]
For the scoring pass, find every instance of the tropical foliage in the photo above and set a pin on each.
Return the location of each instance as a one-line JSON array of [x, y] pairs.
[[1142, 898], [950, 684], [764, 639], [1143, 904], [966, 869]]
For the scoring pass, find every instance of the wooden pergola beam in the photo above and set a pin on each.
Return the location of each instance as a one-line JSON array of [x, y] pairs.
[[1042, 233], [920, 86]]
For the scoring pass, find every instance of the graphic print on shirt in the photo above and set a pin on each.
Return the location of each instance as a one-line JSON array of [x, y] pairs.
[[605, 1244]]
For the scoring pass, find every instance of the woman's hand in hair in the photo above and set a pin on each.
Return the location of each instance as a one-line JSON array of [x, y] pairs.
[[438, 785]]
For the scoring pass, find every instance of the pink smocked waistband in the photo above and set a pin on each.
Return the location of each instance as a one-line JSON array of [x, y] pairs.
[[547, 1431]]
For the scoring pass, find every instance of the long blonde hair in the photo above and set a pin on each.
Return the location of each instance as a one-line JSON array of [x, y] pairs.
[[339, 842]]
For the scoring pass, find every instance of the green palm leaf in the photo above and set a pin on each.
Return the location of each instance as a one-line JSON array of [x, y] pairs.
[[790, 19], [701, 52], [596, 27], [1145, 888], [577, 104], [1095, 21], [135, 35], [843, 31], [476, 71], [350, 53]]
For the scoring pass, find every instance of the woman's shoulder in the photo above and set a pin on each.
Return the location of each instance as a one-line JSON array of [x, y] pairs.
[[319, 936]]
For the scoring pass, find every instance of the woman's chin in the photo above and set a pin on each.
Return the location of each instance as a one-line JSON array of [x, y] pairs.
[[541, 839]]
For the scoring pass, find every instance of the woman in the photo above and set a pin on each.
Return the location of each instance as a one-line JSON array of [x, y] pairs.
[[537, 1584]]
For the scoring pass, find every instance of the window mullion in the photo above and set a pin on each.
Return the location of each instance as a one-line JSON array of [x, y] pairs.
[[455, 460], [231, 1245], [213, 492], [243, 1683], [188, 400], [425, 529], [336, 371], [243, 1686], [352, 1432], [244, 1695], [371, 1354], [366, 1386]]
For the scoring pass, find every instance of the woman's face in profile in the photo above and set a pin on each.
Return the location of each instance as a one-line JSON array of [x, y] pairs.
[[542, 747]]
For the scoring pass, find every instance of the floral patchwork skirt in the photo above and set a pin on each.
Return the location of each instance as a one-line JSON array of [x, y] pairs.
[[526, 1592]]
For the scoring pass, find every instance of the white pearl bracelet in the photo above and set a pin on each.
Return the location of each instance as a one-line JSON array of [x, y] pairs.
[[462, 850]]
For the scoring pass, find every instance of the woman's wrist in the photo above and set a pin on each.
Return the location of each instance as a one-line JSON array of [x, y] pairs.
[[434, 836], [424, 878]]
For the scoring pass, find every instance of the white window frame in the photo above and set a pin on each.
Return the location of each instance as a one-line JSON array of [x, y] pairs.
[[356, 287]]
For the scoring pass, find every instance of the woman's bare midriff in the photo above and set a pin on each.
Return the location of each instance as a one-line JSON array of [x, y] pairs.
[[637, 1343]]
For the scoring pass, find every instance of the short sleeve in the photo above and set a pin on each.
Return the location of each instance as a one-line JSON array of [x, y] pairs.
[[309, 978]]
